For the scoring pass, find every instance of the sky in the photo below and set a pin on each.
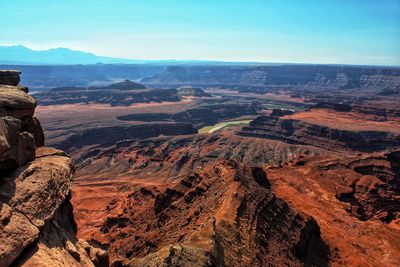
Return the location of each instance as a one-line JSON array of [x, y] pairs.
[[309, 31]]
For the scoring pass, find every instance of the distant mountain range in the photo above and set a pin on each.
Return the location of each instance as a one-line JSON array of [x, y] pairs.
[[21, 55]]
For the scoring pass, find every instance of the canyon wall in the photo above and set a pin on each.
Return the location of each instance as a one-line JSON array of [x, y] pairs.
[[112, 134], [114, 97], [304, 133], [301, 76]]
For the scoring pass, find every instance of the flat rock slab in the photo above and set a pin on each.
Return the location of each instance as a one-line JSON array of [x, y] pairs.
[[9, 77], [15, 102]]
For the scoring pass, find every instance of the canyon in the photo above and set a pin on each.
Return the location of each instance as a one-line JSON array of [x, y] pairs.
[[312, 180], [37, 222], [311, 77]]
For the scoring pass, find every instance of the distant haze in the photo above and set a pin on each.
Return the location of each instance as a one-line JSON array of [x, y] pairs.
[[21, 55], [308, 31]]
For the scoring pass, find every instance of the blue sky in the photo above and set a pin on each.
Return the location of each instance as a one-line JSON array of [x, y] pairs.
[[309, 31]]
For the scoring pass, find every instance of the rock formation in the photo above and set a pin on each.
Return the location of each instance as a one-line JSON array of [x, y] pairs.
[[223, 214], [112, 134], [9, 77], [304, 133], [312, 77], [371, 186], [20, 131], [381, 111], [352, 197], [181, 154], [189, 91], [126, 85], [36, 219], [124, 94], [278, 112]]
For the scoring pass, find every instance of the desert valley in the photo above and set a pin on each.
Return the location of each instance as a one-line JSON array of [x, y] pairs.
[[289, 165], [193, 133]]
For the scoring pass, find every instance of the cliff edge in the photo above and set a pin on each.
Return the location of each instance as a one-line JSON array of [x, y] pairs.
[[37, 226]]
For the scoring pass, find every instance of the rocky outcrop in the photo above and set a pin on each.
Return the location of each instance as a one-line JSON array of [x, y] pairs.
[[106, 95], [37, 223], [112, 134], [190, 91], [334, 106], [304, 133], [9, 77], [366, 184], [20, 132], [126, 85], [381, 111], [371, 186], [182, 154], [278, 112], [16, 147], [15, 102], [221, 215], [339, 190]]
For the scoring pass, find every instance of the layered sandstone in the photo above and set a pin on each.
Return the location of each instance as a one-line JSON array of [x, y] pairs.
[[351, 196], [112, 134], [154, 200], [37, 223], [312, 77], [381, 112], [221, 215], [354, 199], [118, 94], [304, 133], [371, 186]]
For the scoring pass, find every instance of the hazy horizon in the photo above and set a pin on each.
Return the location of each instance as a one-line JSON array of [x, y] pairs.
[[310, 32]]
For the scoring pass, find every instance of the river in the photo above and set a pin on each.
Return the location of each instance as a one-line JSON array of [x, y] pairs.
[[221, 125]]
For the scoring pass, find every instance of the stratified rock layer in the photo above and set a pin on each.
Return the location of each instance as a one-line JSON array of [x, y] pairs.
[[298, 76], [112, 134], [221, 215], [304, 133]]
